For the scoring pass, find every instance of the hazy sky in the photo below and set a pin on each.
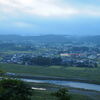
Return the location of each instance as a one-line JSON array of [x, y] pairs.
[[35, 17]]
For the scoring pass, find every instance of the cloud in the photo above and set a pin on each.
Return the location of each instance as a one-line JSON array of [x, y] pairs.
[[46, 8], [37, 7], [22, 24]]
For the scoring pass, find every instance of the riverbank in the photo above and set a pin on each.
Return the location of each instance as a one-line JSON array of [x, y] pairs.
[[53, 78], [88, 75], [77, 94], [57, 81], [47, 95]]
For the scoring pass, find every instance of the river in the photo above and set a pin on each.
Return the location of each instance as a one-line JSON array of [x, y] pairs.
[[73, 84]]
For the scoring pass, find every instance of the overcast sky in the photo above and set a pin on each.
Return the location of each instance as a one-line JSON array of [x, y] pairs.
[[35, 17]]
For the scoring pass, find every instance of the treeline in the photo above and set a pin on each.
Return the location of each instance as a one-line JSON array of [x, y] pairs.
[[18, 47], [48, 61], [42, 61]]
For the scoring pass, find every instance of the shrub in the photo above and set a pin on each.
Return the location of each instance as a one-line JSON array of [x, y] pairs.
[[12, 89], [62, 94]]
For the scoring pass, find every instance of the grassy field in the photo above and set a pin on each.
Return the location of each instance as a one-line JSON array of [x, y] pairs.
[[14, 52], [58, 71], [46, 95], [77, 94], [55, 71]]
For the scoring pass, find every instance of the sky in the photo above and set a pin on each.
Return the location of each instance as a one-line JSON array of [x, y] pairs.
[[39, 17]]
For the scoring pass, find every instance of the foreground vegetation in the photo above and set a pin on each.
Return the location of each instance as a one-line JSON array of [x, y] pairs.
[[76, 94], [12, 89], [46, 95], [89, 74]]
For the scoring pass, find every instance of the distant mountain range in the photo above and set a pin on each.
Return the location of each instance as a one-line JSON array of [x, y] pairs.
[[42, 38], [51, 38]]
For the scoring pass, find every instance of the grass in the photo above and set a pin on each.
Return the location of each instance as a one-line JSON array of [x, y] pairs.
[[80, 97], [55, 71], [81, 94], [46, 95], [14, 52], [43, 95], [58, 71]]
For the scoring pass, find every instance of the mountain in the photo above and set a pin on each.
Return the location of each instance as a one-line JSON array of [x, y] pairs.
[[42, 38], [51, 38]]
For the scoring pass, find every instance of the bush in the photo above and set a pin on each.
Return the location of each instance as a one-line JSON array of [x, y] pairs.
[[62, 94], [12, 89]]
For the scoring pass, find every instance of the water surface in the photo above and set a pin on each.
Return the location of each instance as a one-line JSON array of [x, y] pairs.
[[68, 84]]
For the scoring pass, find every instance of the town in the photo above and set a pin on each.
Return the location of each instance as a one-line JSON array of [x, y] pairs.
[[58, 53]]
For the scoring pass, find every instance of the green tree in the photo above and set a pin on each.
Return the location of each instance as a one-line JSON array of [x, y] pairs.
[[12, 89], [63, 94], [2, 73]]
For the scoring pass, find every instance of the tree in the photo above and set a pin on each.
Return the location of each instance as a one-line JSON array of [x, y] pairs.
[[12, 89], [56, 61], [2, 73], [42, 61], [63, 94]]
